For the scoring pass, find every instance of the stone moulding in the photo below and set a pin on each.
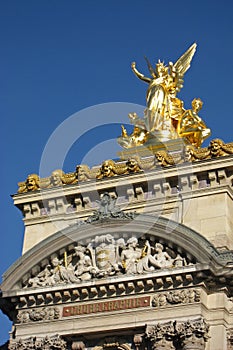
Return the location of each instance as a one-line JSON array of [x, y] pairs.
[[71, 202], [73, 300], [123, 287]]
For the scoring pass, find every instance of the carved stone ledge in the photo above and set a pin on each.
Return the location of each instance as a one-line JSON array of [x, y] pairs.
[[124, 286]]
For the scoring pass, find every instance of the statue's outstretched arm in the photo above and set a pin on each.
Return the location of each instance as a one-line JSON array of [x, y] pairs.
[[138, 74]]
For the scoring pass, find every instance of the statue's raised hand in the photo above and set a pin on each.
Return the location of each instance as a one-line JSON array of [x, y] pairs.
[[133, 65]]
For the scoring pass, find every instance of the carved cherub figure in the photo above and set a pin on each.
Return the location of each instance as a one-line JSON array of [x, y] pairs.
[[32, 182], [216, 148]]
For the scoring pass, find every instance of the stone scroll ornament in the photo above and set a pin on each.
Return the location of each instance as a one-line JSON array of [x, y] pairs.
[[106, 256]]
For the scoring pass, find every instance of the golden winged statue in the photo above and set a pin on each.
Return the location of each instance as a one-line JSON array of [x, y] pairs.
[[164, 110], [164, 83]]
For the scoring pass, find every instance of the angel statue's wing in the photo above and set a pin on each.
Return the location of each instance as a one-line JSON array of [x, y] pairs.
[[182, 65]]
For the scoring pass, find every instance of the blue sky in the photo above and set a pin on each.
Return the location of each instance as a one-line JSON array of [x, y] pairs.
[[58, 57]]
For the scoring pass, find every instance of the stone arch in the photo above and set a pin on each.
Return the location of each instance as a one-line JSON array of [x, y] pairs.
[[178, 235]]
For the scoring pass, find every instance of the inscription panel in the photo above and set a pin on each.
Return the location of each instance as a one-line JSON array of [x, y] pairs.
[[106, 306]]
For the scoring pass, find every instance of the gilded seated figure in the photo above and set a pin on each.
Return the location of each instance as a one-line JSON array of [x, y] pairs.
[[191, 126], [137, 138]]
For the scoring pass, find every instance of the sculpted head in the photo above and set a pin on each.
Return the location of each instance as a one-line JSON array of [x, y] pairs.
[[133, 165], [197, 104], [82, 172], [107, 168], [216, 147], [132, 242], [105, 199], [79, 251], [55, 262], [32, 182], [56, 177], [161, 69], [160, 156], [158, 247]]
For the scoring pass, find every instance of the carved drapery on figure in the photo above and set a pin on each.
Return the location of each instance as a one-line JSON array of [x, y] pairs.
[[106, 256], [34, 343]]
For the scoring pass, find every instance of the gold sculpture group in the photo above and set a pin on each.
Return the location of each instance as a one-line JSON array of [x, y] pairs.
[[165, 117]]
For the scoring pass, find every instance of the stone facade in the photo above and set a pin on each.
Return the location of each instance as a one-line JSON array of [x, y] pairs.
[[140, 260]]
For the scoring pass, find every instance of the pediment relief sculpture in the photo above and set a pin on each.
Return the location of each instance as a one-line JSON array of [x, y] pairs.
[[107, 256]]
